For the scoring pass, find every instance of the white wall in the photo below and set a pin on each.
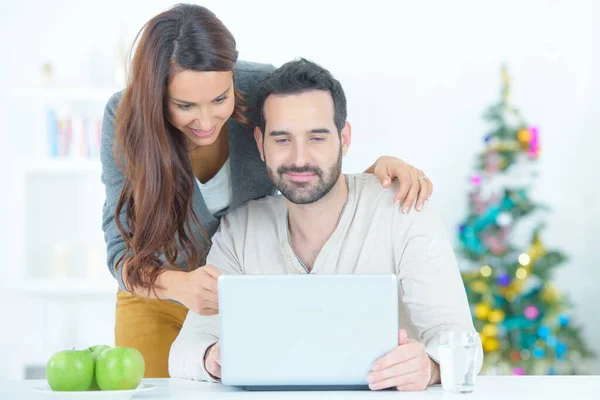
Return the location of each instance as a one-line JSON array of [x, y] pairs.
[[417, 76]]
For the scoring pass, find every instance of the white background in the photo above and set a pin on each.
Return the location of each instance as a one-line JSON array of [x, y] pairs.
[[417, 76]]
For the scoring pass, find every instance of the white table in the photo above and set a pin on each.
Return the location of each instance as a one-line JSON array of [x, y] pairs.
[[524, 387]]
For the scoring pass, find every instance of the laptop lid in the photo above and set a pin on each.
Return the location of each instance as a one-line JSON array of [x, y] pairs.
[[305, 330]]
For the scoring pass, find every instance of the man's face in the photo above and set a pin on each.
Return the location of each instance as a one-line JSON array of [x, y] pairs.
[[302, 147]]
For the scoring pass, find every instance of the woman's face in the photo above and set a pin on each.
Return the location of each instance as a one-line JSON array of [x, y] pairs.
[[200, 103]]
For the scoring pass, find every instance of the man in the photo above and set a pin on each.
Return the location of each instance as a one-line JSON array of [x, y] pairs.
[[328, 222]]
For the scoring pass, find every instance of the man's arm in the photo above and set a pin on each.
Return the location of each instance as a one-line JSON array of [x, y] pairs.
[[429, 276], [199, 333]]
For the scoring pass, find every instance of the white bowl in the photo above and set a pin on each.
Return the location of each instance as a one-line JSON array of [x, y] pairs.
[[95, 394]]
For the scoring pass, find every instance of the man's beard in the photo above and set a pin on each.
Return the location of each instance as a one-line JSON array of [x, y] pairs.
[[310, 191]]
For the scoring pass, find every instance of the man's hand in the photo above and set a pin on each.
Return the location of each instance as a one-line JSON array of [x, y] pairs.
[[407, 367], [212, 360]]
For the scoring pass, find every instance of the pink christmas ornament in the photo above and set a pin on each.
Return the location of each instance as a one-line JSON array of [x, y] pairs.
[[534, 143], [492, 162], [495, 244], [531, 312], [518, 371], [478, 203], [476, 197], [494, 199], [534, 134]]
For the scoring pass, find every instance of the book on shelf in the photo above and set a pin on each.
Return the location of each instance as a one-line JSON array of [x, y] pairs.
[[76, 136]]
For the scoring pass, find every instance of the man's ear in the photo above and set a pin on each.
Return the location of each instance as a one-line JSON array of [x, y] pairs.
[[346, 138], [258, 137]]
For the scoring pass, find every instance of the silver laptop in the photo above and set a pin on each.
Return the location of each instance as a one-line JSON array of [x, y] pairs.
[[305, 332]]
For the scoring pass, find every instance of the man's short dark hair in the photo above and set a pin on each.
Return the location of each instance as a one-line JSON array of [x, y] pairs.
[[300, 76]]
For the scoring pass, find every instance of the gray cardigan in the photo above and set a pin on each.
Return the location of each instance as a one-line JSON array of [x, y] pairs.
[[248, 172]]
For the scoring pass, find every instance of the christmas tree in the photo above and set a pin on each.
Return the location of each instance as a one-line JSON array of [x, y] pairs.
[[522, 318]]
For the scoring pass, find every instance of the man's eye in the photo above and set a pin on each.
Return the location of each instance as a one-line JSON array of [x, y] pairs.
[[282, 141]]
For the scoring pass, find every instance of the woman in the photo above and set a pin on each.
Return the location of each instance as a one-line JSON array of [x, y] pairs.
[[177, 152]]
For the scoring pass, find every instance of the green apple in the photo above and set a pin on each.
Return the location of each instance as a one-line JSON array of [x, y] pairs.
[[120, 368], [95, 351], [70, 370]]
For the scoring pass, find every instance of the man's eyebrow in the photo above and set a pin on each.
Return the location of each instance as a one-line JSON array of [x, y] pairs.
[[316, 130], [191, 102], [319, 130], [278, 133]]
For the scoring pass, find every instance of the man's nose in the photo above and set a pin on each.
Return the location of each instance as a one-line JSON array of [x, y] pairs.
[[300, 154]]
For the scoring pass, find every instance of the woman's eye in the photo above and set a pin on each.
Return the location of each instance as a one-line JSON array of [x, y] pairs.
[[184, 106], [221, 99]]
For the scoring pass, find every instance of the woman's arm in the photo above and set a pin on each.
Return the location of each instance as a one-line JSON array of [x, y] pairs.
[[112, 178], [414, 184]]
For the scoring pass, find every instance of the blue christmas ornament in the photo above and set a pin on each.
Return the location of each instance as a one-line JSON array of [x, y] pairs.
[[471, 242], [538, 352], [502, 330], [522, 195], [528, 341], [563, 320], [543, 332], [487, 138], [488, 218], [503, 280], [561, 350], [507, 203], [551, 371]]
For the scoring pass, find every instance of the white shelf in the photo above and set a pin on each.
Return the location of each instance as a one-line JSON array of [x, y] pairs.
[[65, 287], [89, 94], [64, 165]]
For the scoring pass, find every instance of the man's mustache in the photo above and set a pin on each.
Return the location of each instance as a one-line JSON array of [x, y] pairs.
[[295, 169]]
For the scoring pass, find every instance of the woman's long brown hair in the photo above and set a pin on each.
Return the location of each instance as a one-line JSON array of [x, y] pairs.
[[159, 182]]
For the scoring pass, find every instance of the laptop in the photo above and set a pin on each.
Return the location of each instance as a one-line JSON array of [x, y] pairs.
[[305, 332]]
